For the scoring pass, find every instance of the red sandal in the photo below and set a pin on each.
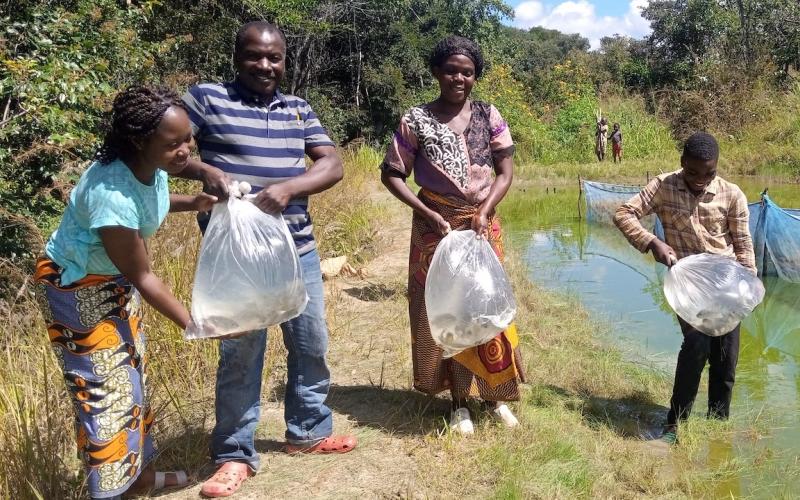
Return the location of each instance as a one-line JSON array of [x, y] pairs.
[[331, 444], [227, 480]]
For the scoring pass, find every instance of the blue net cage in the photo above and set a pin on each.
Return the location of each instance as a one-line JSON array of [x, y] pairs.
[[776, 239], [775, 230], [602, 201]]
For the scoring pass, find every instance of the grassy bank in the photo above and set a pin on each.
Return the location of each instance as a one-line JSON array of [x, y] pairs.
[[590, 413], [769, 146], [583, 413]]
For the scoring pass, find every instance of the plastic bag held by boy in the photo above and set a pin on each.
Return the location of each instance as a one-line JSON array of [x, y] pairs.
[[711, 292]]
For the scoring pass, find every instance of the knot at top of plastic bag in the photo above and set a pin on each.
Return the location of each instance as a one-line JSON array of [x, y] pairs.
[[713, 293], [468, 297]]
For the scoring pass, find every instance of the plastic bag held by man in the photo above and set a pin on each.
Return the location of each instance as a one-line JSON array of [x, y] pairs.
[[711, 292], [467, 294], [248, 273]]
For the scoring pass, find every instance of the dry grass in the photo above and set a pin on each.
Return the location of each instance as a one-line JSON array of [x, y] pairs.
[[345, 216]]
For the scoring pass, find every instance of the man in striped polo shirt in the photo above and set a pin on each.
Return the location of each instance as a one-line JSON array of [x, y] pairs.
[[247, 130]]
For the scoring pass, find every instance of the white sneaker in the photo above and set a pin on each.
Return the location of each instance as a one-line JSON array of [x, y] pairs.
[[461, 423], [503, 414]]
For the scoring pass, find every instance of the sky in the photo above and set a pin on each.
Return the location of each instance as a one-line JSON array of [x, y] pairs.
[[593, 19]]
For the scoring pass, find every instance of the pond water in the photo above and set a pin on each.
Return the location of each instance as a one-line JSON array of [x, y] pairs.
[[624, 288]]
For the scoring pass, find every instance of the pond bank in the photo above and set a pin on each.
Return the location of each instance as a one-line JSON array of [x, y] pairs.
[[758, 449]]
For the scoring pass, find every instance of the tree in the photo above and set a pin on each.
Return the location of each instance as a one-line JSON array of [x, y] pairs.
[[685, 34], [59, 69]]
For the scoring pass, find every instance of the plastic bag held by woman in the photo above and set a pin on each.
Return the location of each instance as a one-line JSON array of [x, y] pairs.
[[467, 294], [248, 273], [711, 292]]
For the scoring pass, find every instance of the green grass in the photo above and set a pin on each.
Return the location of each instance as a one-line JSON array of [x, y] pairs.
[[585, 413], [768, 147]]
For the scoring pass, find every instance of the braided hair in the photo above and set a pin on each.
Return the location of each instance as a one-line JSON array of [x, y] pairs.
[[457, 45], [136, 114]]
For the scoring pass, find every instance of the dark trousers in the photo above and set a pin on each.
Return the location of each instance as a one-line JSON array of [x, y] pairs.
[[722, 353]]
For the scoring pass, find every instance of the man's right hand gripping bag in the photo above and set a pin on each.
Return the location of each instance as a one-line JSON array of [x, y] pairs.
[[467, 294], [711, 292], [248, 273]]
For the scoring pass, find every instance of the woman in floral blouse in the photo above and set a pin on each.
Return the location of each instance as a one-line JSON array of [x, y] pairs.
[[460, 152]]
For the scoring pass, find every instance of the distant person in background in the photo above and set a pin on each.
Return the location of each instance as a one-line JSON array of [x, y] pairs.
[[96, 270], [460, 152], [601, 139], [616, 143], [700, 213]]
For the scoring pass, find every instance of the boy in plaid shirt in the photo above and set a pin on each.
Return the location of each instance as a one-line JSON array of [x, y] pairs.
[[700, 213]]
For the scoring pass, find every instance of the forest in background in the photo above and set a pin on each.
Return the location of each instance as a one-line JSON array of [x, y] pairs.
[[724, 66]]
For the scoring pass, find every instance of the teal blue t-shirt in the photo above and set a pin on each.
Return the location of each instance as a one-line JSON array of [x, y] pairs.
[[106, 195]]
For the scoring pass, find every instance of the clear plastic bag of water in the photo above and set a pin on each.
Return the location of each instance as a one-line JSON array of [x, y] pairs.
[[468, 297], [248, 273], [713, 293]]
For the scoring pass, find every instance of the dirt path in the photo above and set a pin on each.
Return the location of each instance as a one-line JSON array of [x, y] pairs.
[[370, 362]]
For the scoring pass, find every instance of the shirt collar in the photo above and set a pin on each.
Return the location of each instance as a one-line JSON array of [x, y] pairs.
[[253, 98], [713, 186]]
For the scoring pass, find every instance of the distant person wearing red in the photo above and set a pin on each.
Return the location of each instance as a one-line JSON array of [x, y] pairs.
[[616, 143]]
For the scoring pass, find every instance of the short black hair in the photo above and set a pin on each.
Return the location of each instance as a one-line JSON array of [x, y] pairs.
[[136, 114], [262, 26], [453, 45], [701, 146]]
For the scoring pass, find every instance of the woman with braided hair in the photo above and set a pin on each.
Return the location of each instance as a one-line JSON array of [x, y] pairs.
[[96, 271], [460, 152]]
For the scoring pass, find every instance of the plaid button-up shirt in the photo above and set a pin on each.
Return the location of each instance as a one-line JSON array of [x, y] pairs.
[[715, 221]]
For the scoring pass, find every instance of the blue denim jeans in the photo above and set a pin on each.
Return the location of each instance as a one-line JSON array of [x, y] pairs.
[[238, 392]]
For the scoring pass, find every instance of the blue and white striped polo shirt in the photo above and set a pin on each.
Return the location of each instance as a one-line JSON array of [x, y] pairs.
[[258, 142]]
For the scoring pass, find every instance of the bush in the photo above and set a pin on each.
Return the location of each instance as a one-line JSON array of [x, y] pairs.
[[573, 131], [499, 87]]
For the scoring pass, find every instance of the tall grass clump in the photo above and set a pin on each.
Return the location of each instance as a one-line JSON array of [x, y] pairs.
[[644, 135], [35, 413], [345, 217]]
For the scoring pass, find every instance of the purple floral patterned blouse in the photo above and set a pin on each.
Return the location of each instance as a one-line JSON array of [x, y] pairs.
[[446, 162]]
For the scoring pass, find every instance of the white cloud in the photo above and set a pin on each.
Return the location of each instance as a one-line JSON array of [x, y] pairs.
[[579, 16]]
